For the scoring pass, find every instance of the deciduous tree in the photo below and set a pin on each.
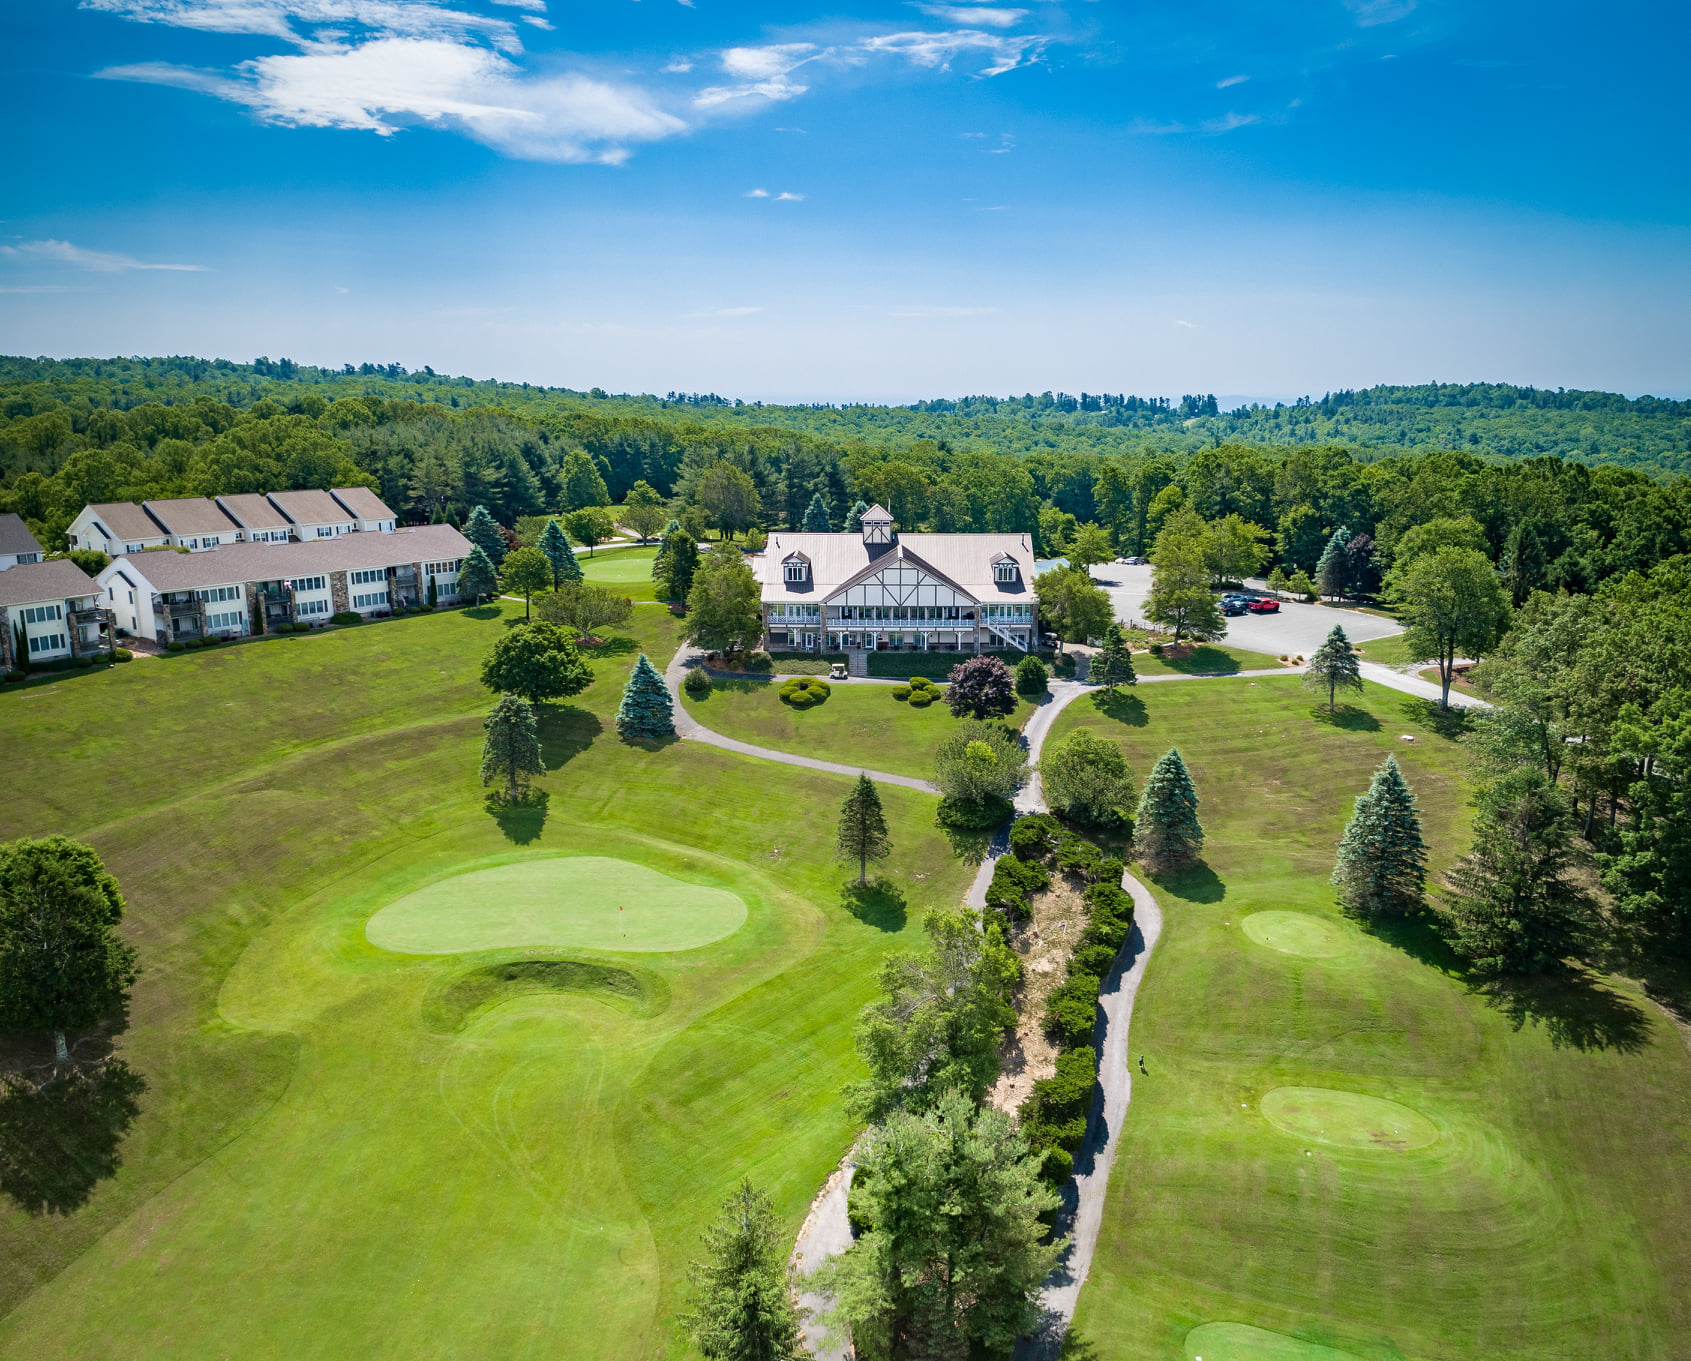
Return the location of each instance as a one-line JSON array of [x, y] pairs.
[[1090, 544], [724, 606], [979, 762], [583, 483], [1075, 606], [729, 497], [981, 688], [1453, 605], [1180, 597], [643, 510], [527, 571], [590, 526], [62, 964], [538, 661], [1086, 778], [585, 607]]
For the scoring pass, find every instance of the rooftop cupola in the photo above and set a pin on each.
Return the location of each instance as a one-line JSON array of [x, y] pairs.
[[877, 525]]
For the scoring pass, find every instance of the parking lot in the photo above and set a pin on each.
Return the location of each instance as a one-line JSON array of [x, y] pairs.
[[1295, 629]]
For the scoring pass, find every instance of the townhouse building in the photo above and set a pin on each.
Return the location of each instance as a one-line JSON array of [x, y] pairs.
[[51, 611], [17, 544], [170, 597], [885, 591], [198, 523]]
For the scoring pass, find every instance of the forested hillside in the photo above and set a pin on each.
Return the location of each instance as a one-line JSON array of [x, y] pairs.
[[1375, 463]]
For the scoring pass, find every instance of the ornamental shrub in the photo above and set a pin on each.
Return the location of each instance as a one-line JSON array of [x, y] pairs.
[[1032, 838], [804, 691], [1072, 1010], [122, 654], [901, 692], [920, 683], [981, 688], [1093, 959], [174, 646], [1031, 676], [346, 617], [82, 662], [921, 699], [697, 682]]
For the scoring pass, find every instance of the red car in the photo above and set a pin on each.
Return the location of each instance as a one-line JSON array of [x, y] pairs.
[[1264, 607]]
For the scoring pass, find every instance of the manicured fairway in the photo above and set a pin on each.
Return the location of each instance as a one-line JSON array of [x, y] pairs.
[[1275, 1171], [1210, 659], [856, 725], [628, 569], [583, 902], [346, 1151]]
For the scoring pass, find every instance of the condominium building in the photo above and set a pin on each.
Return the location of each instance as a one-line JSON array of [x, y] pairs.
[[50, 611], [17, 544]]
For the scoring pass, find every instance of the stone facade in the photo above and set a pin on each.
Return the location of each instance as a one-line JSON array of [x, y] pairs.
[[340, 599]]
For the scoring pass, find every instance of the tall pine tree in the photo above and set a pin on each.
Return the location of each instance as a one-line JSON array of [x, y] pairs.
[[648, 709], [560, 553], [818, 517], [512, 749], [1112, 664], [1382, 864], [476, 576], [1334, 667], [1330, 572], [854, 519], [863, 828], [483, 531], [1166, 831], [742, 1308]]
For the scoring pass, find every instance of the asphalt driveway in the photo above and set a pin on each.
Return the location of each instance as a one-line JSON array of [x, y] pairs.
[[1296, 629]]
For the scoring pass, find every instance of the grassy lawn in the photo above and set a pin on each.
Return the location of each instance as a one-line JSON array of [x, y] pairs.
[[627, 569], [856, 725], [506, 1150], [1209, 659], [1341, 1150], [1388, 651]]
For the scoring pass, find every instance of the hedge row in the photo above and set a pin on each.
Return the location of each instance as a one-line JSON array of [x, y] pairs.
[[1054, 1116]]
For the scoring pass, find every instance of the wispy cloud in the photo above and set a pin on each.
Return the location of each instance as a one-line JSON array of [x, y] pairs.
[[985, 16], [1371, 12], [1228, 122], [721, 312], [1231, 81], [1189, 325], [928, 313], [98, 261], [785, 197], [757, 193], [310, 23], [1213, 127]]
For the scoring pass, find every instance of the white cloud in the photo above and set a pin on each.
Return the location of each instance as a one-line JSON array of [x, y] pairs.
[[937, 50], [762, 74], [932, 312], [99, 261], [785, 197], [309, 23], [1227, 122], [679, 66], [1189, 325], [987, 17], [757, 193], [536, 20], [1231, 80], [379, 86], [1371, 12], [721, 312]]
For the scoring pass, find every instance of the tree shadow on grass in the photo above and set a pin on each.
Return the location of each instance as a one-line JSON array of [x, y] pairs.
[[879, 903], [1200, 884], [969, 844], [1202, 661], [1418, 937], [1451, 723], [521, 822], [1575, 1010], [565, 732], [483, 612], [1346, 716], [1124, 706], [60, 1139], [614, 646]]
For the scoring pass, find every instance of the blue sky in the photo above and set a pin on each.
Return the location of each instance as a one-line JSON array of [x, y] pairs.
[[884, 202]]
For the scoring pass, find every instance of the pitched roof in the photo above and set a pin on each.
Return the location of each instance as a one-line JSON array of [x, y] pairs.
[[126, 520], [243, 562], [190, 515], [15, 536], [964, 560], [310, 507], [30, 582], [876, 512], [252, 510], [363, 503]]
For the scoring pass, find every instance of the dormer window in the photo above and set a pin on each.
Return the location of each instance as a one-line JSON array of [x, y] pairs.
[[797, 570], [1004, 571]]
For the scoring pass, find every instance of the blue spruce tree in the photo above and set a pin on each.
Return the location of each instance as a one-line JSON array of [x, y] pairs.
[[483, 531], [648, 710], [560, 553], [1166, 831], [854, 519], [1382, 864], [818, 518], [1331, 575]]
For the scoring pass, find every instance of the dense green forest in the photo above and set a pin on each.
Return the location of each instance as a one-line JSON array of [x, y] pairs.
[[1375, 463]]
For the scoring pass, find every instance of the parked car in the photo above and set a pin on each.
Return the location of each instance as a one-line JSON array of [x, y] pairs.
[[1131, 562], [1264, 607], [1232, 604]]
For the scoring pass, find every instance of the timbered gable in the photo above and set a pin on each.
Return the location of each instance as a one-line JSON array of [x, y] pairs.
[[903, 580]]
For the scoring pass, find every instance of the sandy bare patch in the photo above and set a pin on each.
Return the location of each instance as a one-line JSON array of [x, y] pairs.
[[1045, 943]]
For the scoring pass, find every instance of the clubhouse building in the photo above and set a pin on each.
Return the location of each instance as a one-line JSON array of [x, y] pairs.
[[884, 591]]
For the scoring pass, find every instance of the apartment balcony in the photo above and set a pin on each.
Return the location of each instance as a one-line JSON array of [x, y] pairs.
[[93, 631]]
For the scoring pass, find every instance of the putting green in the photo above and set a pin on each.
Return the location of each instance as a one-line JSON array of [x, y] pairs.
[[1242, 1342], [1296, 933], [1347, 1119], [574, 901]]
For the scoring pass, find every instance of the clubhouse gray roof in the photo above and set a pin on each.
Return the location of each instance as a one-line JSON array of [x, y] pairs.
[[363, 503], [311, 507], [963, 560], [30, 583], [190, 515], [252, 510], [244, 562], [15, 536], [126, 520]]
